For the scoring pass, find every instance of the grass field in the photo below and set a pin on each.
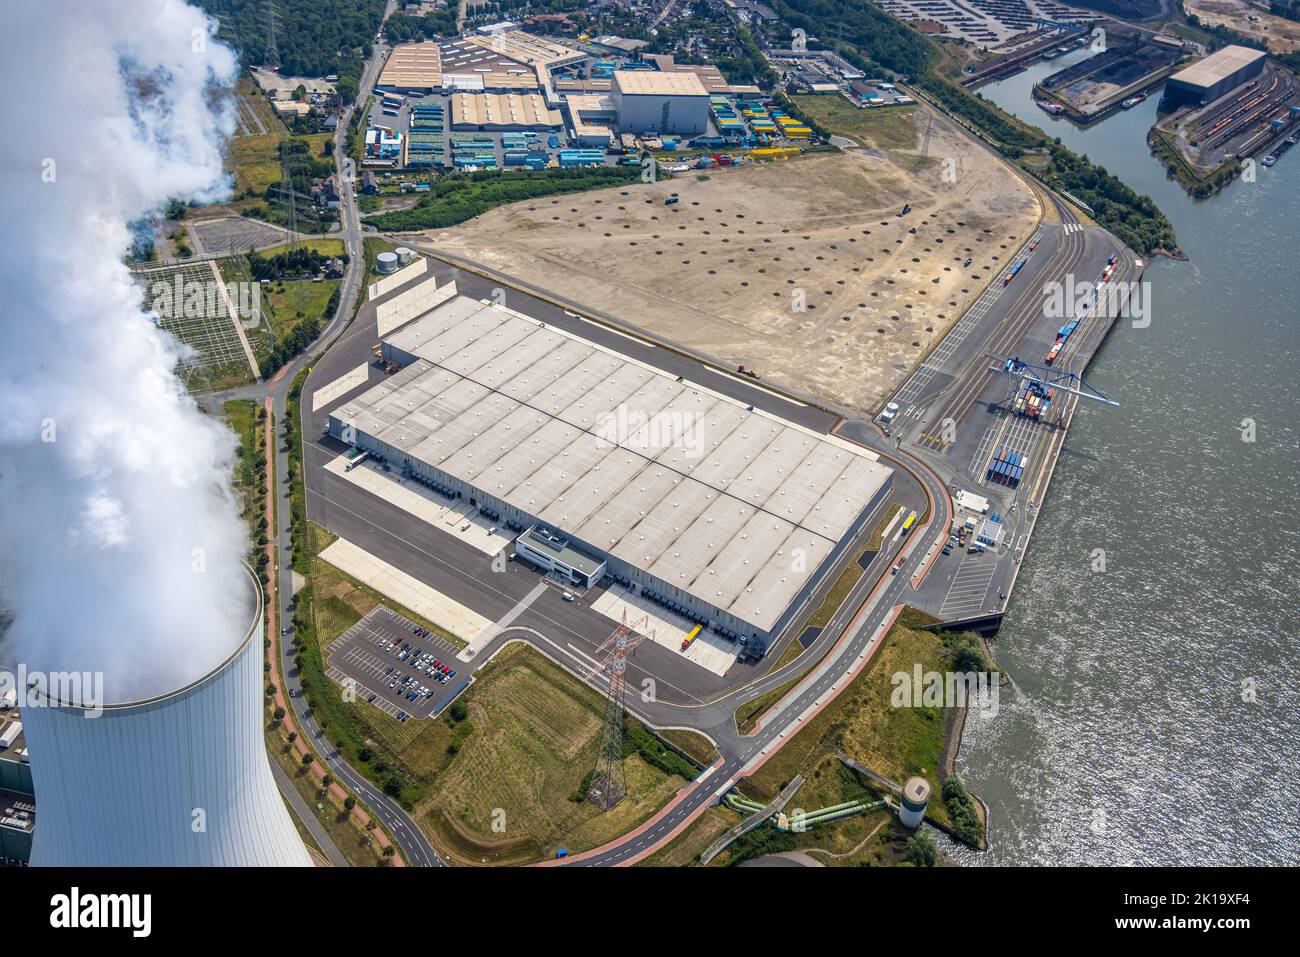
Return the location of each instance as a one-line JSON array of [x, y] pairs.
[[241, 416], [695, 746], [685, 849], [324, 247], [513, 791], [255, 160], [871, 839], [895, 742], [885, 127], [284, 305]]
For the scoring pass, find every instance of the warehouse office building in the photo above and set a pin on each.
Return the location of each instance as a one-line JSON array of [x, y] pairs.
[[613, 470], [1219, 73], [647, 101]]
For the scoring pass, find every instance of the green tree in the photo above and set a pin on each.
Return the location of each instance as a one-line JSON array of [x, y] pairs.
[[921, 850]]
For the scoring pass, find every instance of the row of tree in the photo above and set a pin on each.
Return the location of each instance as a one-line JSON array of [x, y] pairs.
[[459, 197], [293, 264], [312, 37]]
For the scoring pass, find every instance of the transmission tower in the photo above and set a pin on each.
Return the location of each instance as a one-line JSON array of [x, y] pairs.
[[609, 785], [272, 58]]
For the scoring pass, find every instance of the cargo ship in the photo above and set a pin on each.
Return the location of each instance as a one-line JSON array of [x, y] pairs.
[[1279, 151], [1133, 101], [1056, 109]]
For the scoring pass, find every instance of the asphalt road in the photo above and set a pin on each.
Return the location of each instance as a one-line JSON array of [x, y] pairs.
[[555, 627], [413, 843]]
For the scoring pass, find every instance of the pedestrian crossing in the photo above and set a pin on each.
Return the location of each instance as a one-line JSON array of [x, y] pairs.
[[484, 637], [1073, 228]]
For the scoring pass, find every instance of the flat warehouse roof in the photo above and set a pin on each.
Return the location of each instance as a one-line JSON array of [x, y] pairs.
[[734, 506], [413, 64], [653, 83], [1218, 65], [503, 109]]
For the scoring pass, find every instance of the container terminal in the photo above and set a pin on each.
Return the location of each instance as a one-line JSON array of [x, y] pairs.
[[989, 411]]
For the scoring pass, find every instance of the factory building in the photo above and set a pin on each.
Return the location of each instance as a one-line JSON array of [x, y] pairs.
[[1207, 80], [613, 470], [591, 117], [647, 101], [503, 111], [180, 779]]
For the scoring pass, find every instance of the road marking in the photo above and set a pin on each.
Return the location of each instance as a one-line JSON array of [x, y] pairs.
[[969, 587]]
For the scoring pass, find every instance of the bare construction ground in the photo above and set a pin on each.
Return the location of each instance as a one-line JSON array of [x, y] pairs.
[[727, 269], [1281, 35]]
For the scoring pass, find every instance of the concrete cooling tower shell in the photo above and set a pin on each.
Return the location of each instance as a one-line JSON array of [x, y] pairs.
[[182, 779]]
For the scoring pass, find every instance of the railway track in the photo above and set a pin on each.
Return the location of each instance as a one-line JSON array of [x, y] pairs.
[[970, 380]]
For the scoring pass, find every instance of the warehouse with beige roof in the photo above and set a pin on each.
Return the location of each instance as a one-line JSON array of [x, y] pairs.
[[614, 471]]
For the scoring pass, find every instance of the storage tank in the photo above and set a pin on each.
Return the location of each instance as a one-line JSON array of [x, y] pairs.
[[916, 795], [404, 255], [180, 779], [386, 262]]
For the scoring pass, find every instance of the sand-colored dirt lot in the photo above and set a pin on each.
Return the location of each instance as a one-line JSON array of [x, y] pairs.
[[804, 270], [1281, 35]]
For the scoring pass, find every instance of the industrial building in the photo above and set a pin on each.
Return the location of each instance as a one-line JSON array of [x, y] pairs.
[[590, 117], [611, 469], [181, 779], [529, 49], [1211, 78], [414, 67], [503, 111], [647, 101]]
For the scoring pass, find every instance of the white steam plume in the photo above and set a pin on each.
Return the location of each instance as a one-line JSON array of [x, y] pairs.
[[118, 528]]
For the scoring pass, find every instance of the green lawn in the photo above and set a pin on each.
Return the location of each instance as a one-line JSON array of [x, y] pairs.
[[884, 127], [325, 247], [896, 742], [514, 790]]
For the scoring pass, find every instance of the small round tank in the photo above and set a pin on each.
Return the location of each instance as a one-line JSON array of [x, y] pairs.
[[916, 795]]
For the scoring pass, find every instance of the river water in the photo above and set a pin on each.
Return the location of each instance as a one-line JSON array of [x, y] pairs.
[[1154, 717]]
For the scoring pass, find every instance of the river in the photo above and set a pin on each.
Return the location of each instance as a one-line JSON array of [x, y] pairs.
[[1154, 717]]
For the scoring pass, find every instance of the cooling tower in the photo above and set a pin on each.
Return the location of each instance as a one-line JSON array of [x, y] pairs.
[[181, 779]]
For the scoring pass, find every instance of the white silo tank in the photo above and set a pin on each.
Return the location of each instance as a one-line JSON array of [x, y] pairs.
[[404, 255], [181, 779], [386, 262], [916, 795]]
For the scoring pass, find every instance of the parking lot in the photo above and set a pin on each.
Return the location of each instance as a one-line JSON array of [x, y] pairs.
[[397, 666]]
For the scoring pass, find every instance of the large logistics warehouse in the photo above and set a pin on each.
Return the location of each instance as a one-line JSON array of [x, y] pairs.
[[660, 102], [614, 470], [1211, 78]]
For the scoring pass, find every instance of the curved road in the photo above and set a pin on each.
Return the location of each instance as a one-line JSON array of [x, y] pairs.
[[840, 650]]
